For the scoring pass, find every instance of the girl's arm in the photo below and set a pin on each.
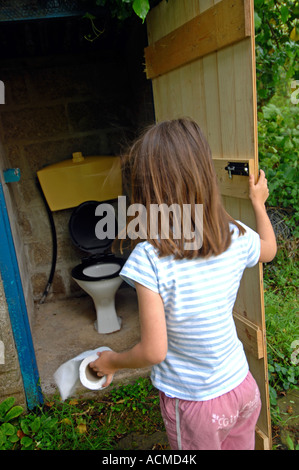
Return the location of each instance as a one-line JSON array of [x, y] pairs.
[[151, 349], [258, 194]]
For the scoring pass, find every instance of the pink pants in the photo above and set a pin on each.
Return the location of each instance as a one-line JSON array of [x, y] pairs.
[[223, 423]]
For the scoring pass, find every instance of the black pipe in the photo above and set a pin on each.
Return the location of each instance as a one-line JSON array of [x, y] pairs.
[[54, 244]]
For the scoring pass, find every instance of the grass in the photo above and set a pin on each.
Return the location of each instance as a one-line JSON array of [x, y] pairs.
[[79, 424], [281, 305]]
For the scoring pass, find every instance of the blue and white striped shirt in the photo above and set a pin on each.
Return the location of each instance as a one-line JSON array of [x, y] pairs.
[[205, 358]]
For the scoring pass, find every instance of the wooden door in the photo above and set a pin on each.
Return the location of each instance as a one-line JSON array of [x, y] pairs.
[[201, 60]]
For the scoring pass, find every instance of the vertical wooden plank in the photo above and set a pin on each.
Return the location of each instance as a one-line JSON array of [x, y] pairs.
[[179, 96], [227, 109], [213, 132], [210, 71], [193, 99], [245, 137]]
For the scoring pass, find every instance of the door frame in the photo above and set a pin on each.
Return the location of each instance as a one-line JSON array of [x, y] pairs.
[[17, 309]]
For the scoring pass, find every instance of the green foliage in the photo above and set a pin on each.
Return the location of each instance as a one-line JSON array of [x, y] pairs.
[[81, 425], [8, 412], [134, 396], [278, 133], [36, 431], [8, 432], [277, 48], [23, 431], [282, 326], [290, 444], [122, 9]]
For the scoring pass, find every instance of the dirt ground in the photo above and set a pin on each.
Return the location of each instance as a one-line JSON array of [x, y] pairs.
[[65, 328]]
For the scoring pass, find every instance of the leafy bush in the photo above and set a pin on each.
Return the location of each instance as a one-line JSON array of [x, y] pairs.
[[278, 131], [24, 431], [8, 432], [123, 9], [281, 305], [277, 35]]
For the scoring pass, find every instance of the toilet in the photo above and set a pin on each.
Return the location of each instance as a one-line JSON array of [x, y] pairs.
[[98, 272], [81, 183]]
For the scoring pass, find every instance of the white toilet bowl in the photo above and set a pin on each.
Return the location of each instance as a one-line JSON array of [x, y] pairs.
[[102, 290]]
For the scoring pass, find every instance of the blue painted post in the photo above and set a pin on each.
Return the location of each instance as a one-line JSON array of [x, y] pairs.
[[17, 309]]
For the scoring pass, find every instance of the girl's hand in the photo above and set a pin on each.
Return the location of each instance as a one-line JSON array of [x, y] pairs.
[[259, 192], [103, 366]]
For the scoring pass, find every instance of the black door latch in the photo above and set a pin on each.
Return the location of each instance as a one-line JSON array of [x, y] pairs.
[[237, 168]]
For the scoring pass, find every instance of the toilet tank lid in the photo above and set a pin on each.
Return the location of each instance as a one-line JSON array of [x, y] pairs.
[[82, 228]]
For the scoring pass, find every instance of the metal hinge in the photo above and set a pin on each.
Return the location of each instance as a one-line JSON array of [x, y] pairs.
[[237, 168]]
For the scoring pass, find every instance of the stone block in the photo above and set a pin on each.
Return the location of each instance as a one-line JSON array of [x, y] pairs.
[[38, 155], [58, 287], [39, 282], [14, 157], [12, 383], [39, 221], [28, 197], [16, 92], [10, 377], [33, 123], [40, 253], [98, 114], [86, 116], [59, 82], [24, 224]]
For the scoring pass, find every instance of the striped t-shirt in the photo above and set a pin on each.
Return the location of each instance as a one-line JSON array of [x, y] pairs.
[[205, 358]]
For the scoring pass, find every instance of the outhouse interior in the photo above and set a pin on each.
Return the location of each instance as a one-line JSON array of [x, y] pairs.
[[72, 84]]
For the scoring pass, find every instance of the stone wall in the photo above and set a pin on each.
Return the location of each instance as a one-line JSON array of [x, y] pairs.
[[11, 384], [56, 105]]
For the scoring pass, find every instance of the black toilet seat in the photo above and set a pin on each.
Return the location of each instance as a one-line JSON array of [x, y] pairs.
[[77, 271], [82, 225]]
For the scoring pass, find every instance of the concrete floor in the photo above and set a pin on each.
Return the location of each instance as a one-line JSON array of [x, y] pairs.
[[65, 328]]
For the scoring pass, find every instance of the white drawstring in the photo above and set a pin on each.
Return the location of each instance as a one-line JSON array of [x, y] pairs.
[[178, 427]]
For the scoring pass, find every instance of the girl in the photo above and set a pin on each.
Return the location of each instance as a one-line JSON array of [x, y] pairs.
[[208, 398]]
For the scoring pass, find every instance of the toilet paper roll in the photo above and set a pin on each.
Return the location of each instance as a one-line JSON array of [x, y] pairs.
[[88, 377], [67, 376]]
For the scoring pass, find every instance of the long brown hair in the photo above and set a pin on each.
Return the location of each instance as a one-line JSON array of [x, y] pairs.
[[171, 163]]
